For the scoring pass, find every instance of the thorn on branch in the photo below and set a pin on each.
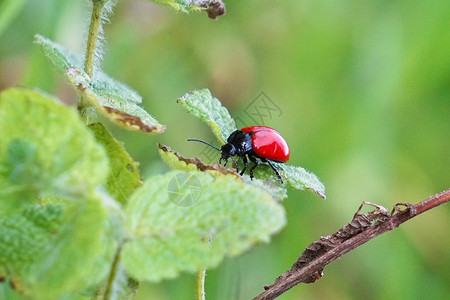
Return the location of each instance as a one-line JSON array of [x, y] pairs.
[[407, 207]]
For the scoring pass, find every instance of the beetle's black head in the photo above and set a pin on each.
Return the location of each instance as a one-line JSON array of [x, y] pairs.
[[228, 150]]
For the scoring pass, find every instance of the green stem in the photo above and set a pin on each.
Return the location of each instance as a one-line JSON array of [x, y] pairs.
[[200, 288], [94, 29], [112, 274], [91, 48]]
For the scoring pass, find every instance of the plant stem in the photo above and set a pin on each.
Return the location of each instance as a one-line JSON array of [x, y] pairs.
[[94, 29], [112, 274], [91, 48], [200, 288]]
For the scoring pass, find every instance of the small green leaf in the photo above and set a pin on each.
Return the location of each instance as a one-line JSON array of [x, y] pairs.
[[300, 179], [45, 149], [214, 8], [114, 99], [225, 217], [124, 177], [294, 176], [208, 109]]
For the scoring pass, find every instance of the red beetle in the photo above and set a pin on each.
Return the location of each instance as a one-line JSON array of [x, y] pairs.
[[252, 143]]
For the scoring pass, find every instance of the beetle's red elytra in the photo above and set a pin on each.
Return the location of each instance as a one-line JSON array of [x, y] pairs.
[[268, 143], [254, 143]]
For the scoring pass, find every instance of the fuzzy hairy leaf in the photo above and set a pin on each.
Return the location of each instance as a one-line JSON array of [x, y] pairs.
[[45, 150], [225, 217], [114, 99], [52, 249], [23, 236], [124, 177], [293, 176], [300, 179], [208, 109]]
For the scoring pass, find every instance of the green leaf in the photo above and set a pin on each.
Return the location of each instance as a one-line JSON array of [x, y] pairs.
[[109, 97], [300, 179], [67, 263], [23, 237], [61, 247], [124, 177], [208, 109], [214, 8], [293, 176], [53, 249], [124, 287], [21, 162], [170, 234], [45, 149]]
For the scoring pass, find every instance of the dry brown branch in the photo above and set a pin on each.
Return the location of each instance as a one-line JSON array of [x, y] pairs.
[[363, 227]]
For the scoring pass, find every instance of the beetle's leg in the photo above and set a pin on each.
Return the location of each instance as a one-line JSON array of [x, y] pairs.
[[253, 159], [244, 158], [275, 170], [235, 163]]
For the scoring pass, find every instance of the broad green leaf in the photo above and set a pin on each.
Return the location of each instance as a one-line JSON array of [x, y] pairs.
[[45, 150], [208, 109], [223, 217], [110, 97], [124, 177], [214, 8]]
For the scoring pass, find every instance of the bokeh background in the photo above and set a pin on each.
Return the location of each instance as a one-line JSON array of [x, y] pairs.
[[364, 93]]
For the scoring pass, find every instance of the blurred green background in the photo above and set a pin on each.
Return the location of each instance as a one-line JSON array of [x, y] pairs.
[[364, 91]]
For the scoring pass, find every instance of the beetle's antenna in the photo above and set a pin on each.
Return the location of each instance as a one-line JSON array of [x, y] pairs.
[[196, 140]]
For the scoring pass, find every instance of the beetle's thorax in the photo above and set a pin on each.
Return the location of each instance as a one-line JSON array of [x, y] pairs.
[[238, 143]]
